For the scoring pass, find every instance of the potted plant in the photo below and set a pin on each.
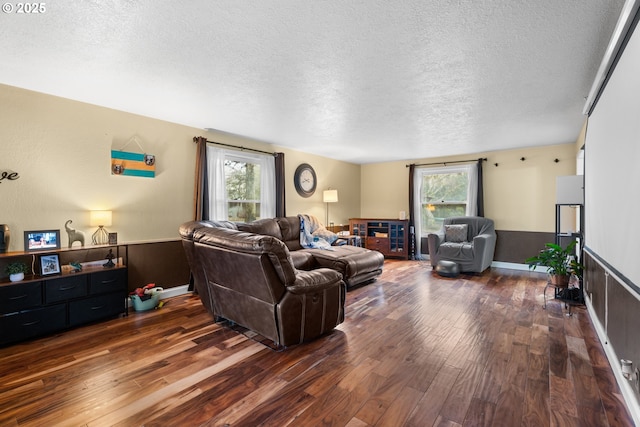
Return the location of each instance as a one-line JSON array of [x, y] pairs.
[[560, 262], [16, 270]]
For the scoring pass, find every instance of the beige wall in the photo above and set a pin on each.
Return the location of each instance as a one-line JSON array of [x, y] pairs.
[[345, 177], [61, 151], [519, 195]]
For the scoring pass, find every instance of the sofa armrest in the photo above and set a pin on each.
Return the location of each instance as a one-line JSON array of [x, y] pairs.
[[433, 241], [484, 246], [314, 280], [481, 241]]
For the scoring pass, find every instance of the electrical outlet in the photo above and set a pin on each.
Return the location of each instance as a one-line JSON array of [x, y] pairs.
[[636, 381]]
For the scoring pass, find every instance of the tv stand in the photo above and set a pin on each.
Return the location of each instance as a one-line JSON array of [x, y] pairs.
[[387, 236], [43, 304]]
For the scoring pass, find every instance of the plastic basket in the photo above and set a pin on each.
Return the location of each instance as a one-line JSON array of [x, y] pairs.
[[144, 305]]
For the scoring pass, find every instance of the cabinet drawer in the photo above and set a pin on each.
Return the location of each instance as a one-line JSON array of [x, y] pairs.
[[94, 308], [31, 323], [108, 281], [65, 288], [379, 244], [20, 296]]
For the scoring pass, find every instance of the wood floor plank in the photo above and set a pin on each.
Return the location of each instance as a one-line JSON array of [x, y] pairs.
[[480, 414], [427, 410], [460, 396], [399, 410], [415, 349], [536, 413]]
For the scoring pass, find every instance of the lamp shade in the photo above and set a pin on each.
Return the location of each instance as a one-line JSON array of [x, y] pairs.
[[100, 218], [570, 190], [330, 196]]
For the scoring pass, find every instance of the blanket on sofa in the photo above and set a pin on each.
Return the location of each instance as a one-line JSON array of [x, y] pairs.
[[314, 235]]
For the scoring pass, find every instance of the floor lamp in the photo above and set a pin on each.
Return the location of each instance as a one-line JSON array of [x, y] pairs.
[[329, 196]]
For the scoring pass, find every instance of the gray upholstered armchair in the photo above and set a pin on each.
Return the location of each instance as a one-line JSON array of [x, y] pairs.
[[469, 241]]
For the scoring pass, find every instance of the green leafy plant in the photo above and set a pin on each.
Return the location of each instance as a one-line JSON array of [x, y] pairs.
[[16, 267], [558, 260]]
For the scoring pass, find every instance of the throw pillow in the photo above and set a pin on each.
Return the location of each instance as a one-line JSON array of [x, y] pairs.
[[455, 233]]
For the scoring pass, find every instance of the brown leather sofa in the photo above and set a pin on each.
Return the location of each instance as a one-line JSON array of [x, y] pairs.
[[357, 265], [251, 275]]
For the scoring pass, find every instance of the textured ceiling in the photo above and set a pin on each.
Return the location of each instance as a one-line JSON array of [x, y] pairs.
[[362, 81]]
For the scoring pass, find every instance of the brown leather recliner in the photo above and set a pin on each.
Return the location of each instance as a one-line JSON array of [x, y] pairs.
[[250, 279]]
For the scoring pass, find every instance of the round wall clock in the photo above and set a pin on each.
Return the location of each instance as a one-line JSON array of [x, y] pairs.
[[305, 180]]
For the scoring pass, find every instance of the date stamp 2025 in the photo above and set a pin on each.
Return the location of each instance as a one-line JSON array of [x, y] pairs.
[[24, 8]]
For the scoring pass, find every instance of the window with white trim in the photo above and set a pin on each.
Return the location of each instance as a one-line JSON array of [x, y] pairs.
[[446, 192], [241, 185]]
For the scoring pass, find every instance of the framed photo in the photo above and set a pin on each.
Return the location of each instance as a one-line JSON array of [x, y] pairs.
[[49, 264], [113, 238], [41, 240]]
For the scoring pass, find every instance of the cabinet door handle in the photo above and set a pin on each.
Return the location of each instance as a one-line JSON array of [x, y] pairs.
[[35, 322], [104, 282], [18, 297], [66, 288], [99, 307]]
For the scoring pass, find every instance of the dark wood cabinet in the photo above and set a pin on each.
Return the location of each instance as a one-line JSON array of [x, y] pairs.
[[40, 305], [388, 236]]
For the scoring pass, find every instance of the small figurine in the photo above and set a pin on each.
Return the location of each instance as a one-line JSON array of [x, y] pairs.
[[110, 258], [74, 235], [77, 267]]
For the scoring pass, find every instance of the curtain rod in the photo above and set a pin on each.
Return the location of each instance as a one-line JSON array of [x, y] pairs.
[[195, 139], [446, 163]]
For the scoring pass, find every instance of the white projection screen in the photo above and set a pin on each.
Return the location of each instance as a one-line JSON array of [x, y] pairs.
[[612, 168]]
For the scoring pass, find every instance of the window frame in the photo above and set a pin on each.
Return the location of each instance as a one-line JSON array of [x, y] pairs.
[[218, 198], [472, 194]]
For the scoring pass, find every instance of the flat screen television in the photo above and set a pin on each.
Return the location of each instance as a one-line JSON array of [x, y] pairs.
[[41, 240]]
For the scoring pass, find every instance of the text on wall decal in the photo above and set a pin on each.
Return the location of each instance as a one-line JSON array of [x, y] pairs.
[[9, 176]]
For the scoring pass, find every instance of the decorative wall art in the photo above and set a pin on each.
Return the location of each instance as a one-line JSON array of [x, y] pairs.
[[129, 163], [9, 176]]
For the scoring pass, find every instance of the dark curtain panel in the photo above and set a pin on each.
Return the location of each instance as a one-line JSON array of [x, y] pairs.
[[412, 213], [480, 190], [201, 191], [280, 184]]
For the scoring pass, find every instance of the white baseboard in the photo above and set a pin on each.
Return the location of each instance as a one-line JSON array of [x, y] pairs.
[[500, 264], [174, 291], [512, 266]]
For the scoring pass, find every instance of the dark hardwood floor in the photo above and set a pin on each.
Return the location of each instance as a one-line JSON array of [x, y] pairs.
[[415, 350]]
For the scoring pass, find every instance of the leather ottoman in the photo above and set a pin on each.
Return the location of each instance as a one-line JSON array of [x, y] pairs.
[[447, 268], [356, 265]]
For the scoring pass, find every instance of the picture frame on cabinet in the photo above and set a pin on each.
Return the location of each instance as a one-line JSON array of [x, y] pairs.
[[49, 264], [113, 238], [41, 240]]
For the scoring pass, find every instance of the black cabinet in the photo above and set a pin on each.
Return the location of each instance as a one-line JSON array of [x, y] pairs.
[[94, 308], [20, 296], [22, 325], [43, 305], [65, 288]]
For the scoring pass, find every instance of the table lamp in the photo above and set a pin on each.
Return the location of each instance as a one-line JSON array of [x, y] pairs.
[[100, 219]]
